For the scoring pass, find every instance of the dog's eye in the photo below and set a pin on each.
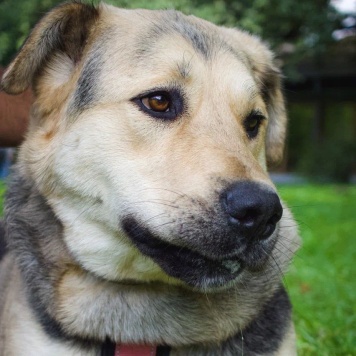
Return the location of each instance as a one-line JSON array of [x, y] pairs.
[[163, 104], [157, 102], [252, 123]]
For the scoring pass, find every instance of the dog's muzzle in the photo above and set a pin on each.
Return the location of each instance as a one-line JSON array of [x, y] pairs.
[[239, 233]]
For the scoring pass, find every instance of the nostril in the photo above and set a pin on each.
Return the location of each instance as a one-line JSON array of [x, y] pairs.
[[269, 229], [246, 217], [271, 223], [275, 218]]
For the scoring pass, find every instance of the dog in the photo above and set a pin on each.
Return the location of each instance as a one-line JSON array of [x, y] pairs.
[[140, 214]]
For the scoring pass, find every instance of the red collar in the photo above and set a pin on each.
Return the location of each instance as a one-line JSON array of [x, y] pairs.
[[109, 348], [135, 350]]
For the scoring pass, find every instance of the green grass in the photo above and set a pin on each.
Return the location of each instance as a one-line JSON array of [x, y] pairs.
[[2, 191], [322, 279]]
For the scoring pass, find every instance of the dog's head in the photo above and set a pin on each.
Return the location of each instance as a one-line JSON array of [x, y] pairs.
[[150, 136]]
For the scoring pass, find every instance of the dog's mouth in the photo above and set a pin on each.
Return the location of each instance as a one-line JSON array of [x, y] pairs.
[[191, 267]]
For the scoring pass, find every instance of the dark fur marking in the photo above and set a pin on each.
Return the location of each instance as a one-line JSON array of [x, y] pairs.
[[163, 351], [174, 22], [77, 30], [200, 41], [266, 333], [269, 83], [85, 93], [205, 43], [108, 348], [32, 221], [184, 68], [24, 237]]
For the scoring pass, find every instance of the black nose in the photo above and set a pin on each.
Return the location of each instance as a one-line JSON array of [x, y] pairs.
[[253, 209]]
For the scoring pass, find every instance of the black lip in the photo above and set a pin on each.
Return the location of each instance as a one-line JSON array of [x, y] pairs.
[[191, 267]]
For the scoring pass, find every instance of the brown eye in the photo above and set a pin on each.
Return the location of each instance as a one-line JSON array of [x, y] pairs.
[[166, 105], [252, 123], [157, 103]]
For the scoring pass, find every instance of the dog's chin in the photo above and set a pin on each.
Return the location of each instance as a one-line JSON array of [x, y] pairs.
[[191, 267]]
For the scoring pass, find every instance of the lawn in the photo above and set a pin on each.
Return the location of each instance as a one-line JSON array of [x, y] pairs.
[[322, 279]]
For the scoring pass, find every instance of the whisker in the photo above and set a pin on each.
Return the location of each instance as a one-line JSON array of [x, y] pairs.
[[181, 194], [155, 202], [149, 219]]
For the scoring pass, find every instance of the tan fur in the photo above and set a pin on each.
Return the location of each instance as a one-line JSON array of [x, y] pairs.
[[22, 335], [96, 163], [288, 346]]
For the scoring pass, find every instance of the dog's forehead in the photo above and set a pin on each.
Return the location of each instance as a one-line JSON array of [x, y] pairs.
[[148, 27], [148, 34], [147, 49]]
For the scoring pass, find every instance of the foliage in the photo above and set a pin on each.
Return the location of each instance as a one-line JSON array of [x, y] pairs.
[[293, 28], [321, 281], [303, 24], [16, 20], [329, 159]]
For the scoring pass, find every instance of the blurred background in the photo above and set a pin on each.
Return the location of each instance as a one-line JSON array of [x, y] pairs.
[[315, 44]]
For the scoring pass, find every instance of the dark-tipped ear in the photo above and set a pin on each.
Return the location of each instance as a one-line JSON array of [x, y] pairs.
[[276, 130], [65, 28]]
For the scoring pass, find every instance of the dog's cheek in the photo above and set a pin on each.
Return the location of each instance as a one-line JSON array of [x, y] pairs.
[[108, 255], [92, 190], [98, 248]]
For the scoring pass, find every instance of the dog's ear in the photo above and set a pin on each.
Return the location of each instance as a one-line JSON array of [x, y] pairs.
[[65, 29], [270, 81], [262, 63]]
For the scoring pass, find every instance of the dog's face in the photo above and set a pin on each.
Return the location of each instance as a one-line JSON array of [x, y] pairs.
[[150, 136]]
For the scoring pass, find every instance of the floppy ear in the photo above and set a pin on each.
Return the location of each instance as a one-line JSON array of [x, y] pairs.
[[276, 130], [268, 78], [64, 29]]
